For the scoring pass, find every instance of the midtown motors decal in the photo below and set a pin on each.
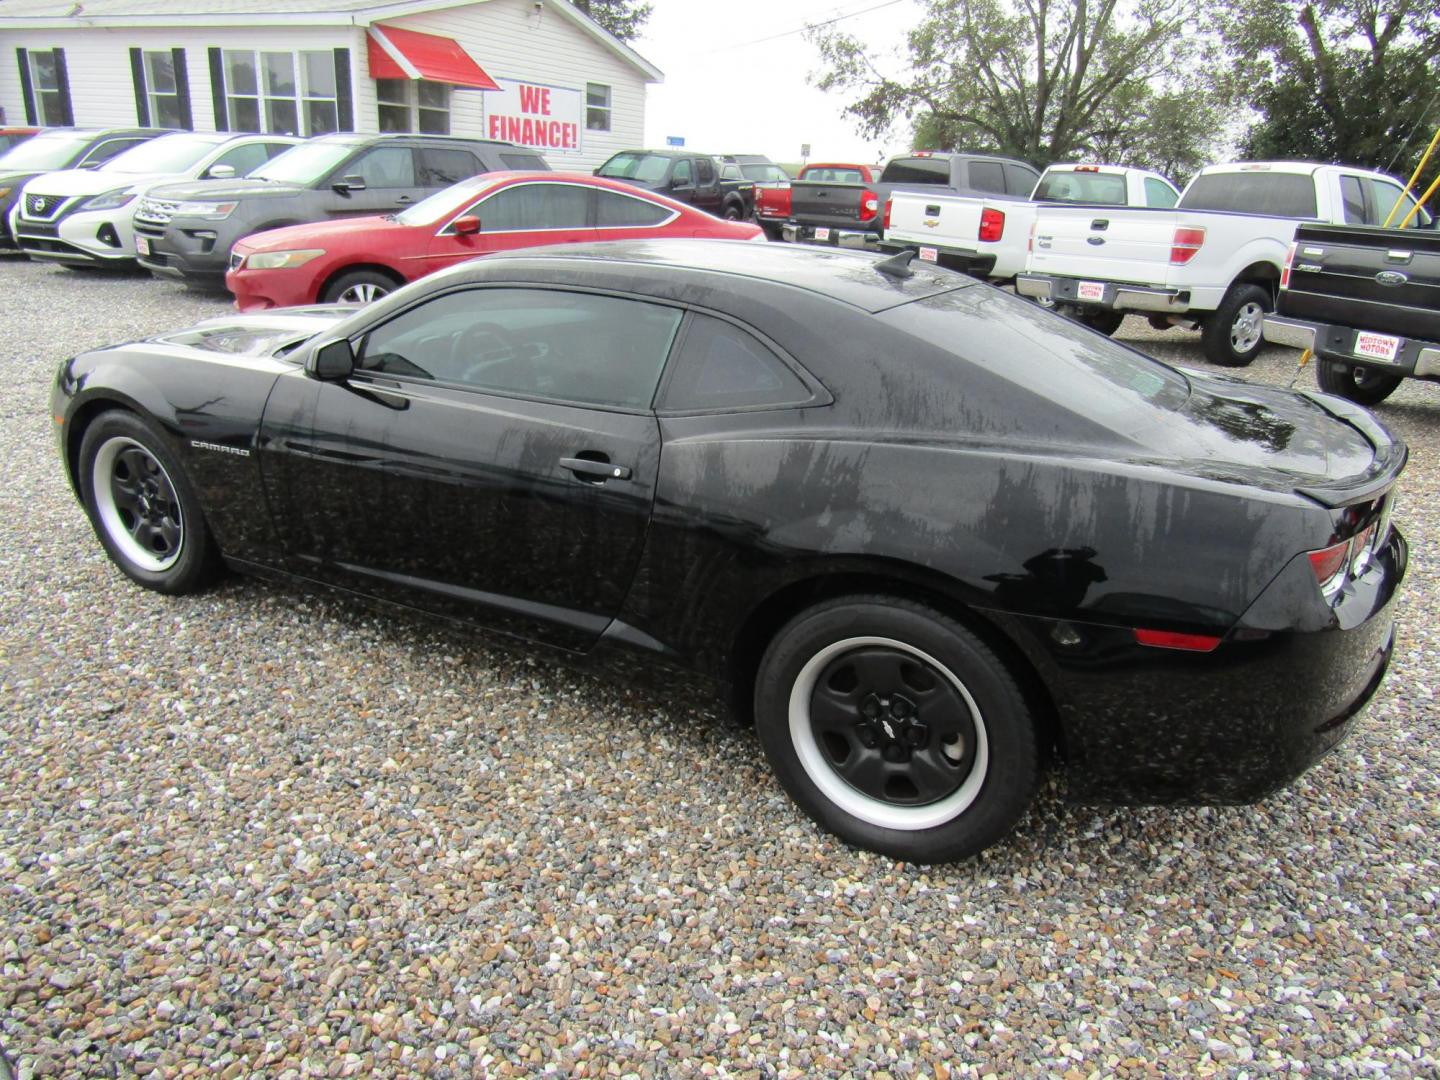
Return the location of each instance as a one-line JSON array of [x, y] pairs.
[[531, 114]]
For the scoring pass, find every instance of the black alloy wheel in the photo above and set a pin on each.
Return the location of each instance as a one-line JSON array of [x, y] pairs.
[[896, 728], [142, 507], [1361, 384]]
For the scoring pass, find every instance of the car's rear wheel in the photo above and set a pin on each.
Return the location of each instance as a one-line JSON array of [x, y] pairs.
[[359, 287], [1361, 384], [896, 728], [1233, 333], [142, 506]]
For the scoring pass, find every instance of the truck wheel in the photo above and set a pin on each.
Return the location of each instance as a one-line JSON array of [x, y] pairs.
[[1232, 334], [731, 213], [1362, 385]]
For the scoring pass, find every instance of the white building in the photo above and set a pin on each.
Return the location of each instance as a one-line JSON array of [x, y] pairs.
[[535, 72]]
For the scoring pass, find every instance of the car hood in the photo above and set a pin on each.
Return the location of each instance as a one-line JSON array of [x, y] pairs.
[[92, 181], [261, 337], [318, 232], [224, 190]]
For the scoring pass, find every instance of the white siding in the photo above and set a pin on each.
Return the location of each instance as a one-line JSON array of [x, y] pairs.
[[510, 41], [102, 90]]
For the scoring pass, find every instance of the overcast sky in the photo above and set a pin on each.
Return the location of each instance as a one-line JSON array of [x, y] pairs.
[[728, 90]]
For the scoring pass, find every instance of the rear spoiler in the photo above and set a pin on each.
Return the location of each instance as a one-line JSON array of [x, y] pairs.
[[1391, 454]]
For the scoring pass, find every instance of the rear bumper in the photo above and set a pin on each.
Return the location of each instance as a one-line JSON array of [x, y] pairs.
[[849, 234], [1413, 358], [1157, 726], [966, 260], [1117, 296]]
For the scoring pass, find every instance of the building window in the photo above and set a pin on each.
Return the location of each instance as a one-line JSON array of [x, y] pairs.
[[163, 90], [413, 105], [262, 93], [46, 83], [597, 107]]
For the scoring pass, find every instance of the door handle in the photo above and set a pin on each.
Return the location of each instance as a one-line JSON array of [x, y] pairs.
[[600, 470]]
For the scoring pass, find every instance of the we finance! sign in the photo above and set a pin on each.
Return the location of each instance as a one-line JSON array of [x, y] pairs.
[[548, 118]]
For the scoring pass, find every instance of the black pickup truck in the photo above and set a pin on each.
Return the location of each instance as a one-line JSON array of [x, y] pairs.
[[685, 176], [822, 210], [1367, 302]]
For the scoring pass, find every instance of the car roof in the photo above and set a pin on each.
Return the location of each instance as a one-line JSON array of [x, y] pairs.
[[839, 273]]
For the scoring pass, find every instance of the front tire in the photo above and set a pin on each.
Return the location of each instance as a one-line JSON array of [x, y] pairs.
[[359, 287], [896, 728], [1233, 333], [1362, 385], [142, 506]]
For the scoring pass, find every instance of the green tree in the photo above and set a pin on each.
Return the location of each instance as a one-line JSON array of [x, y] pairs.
[[623, 18], [1349, 81], [1041, 80]]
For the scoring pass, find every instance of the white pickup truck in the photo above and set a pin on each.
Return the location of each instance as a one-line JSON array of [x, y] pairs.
[[989, 237], [1212, 262]]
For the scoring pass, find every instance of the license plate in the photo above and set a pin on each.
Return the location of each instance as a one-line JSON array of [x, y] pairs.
[[930, 254], [1376, 346], [822, 234], [142, 245], [1090, 290]]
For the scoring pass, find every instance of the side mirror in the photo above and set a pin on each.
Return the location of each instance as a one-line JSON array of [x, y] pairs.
[[467, 225], [220, 172], [333, 361], [348, 184]]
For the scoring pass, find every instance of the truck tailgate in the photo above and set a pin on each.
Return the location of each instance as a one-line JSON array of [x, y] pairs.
[[926, 218], [1120, 244], [815, 202], [1368, 278]]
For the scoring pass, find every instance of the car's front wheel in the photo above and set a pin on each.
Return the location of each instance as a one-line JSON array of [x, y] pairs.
[[358, 287], [142, 506], [896, 728], [1362, 385]]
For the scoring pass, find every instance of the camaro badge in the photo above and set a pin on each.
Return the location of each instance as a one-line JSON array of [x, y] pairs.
[[237, 451]]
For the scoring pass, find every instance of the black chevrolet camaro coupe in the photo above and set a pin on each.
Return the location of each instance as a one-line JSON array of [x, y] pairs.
[[926, 531]]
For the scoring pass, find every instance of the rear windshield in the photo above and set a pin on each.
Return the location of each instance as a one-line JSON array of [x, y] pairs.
[[916, 170], [1277, 194], [833, 175], [1102, 189], [647, 168], [44, 152]]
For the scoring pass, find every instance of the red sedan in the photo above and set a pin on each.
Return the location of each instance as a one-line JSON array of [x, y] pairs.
[[360, 259]]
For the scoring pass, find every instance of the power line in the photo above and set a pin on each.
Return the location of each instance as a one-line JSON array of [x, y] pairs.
[[807, 26]]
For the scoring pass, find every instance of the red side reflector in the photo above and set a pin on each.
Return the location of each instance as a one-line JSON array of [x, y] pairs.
[[1166, 639], [992, 224], [1285, 270], [1185, 244]]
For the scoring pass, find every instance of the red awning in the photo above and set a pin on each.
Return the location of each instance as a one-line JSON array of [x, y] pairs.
[[408, 54]]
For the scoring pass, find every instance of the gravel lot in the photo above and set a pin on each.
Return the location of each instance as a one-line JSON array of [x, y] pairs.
[[267, 834]]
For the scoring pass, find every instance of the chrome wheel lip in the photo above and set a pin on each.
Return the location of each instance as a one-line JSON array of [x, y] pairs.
[[1247, 327], [365, 293], [834, 787], [101, 477]]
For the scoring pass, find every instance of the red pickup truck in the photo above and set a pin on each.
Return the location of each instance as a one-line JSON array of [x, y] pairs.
[[772, 202]]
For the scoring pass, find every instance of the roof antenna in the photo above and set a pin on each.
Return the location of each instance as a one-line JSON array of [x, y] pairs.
[[897, 266]]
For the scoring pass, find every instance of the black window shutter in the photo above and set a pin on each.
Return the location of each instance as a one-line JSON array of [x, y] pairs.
[[217, 89], [26, 89], [344, 98], [182, 88], [62, 76], [137, 76]]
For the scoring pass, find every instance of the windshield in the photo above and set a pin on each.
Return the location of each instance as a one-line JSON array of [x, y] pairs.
[[764, 171], [303, 164], [1068, 185], [647, 168], [43, 153], [167, 154], [443, 203]]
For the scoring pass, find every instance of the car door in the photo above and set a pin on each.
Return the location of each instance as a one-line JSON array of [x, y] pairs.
[[389, 183], [515, 216], [709, 195], [493, 457]]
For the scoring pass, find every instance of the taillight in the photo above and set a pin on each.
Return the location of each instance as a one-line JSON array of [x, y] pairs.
[[1185, 244], [1329, 566], [1285, 270], [1030, 244], [992, 224], [889, 206], [869, 205], [1168, 639]]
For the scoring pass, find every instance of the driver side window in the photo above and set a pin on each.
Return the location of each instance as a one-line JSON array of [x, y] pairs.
[[682, 172], [534, 343]]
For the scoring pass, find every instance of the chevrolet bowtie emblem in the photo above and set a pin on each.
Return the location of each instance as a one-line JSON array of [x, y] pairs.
[[932, 223]]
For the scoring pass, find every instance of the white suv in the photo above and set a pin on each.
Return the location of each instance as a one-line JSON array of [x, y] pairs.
[[82, 216]]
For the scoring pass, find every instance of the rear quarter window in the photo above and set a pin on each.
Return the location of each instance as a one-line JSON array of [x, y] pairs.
[[1277, 194], [988, 176]]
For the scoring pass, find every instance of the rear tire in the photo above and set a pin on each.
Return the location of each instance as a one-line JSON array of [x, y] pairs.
[[142, 506], [1362, 385], [358, 287], [896, 728], [1232, 335], [731, 213]]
